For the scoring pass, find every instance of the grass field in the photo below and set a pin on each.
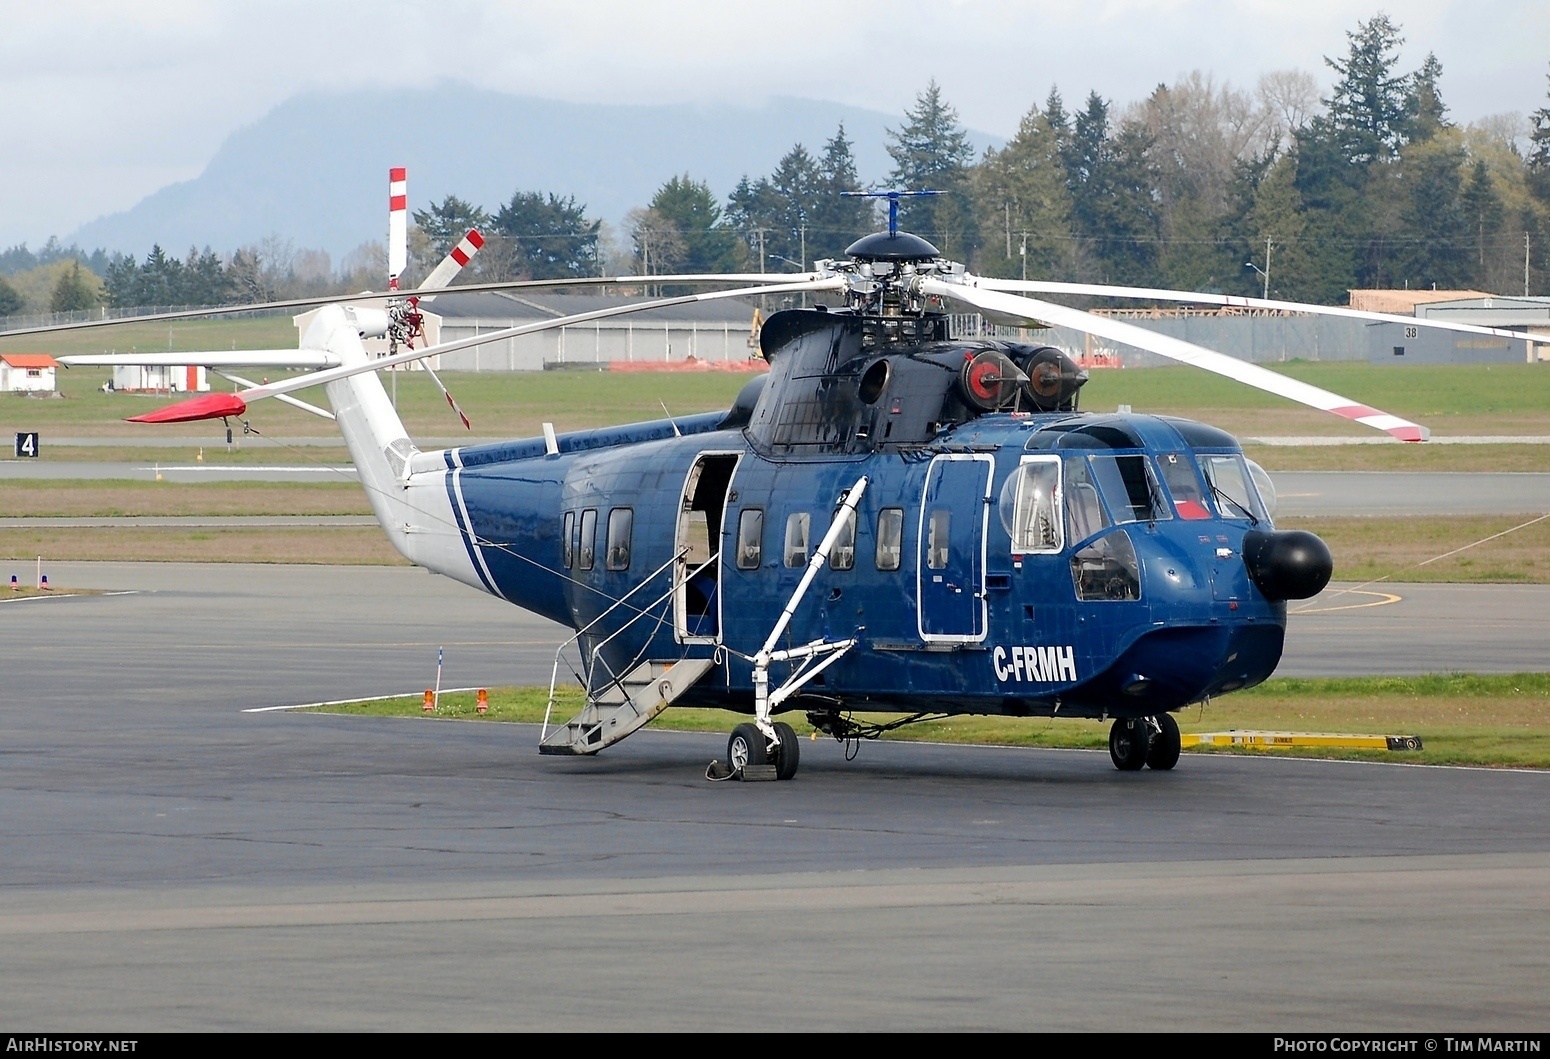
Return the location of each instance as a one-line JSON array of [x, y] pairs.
[[1366, 549], [1462, 719]]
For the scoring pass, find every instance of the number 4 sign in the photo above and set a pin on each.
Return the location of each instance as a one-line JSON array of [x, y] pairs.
[[26, 444]]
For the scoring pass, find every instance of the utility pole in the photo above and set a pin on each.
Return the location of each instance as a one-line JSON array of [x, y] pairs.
[[1525, 264], [1023, 253], [1267, 267], [1007, 209]]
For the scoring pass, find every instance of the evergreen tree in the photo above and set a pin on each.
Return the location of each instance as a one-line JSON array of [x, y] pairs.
[[203, 279], [931, 152], [544, 237], [1370, 108], [775, 215], [1426, 107], [709, 244], [1538, 160], [1277, 226], [1435, 230], [1483, 214], [11, 302], [1022, 204], [1056, 117], [837, 221], [72, 293], [446, 222], [1113, 200]]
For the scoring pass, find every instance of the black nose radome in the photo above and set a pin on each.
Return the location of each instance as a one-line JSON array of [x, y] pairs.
[[1290, 565]]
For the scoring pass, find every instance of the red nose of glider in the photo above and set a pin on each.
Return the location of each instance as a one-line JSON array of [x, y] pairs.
[[205, 406]]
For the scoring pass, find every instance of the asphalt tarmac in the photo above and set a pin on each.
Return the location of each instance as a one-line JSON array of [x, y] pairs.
[[171, 861]]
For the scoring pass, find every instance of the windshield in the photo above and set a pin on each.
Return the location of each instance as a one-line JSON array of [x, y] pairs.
[[1232, 487]]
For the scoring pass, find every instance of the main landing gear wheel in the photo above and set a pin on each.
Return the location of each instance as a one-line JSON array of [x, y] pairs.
[[789, 751], [1129, 741], [1164, 751], [746, 747]]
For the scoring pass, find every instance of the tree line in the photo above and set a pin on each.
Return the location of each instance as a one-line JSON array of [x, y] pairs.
[[1198, 186]]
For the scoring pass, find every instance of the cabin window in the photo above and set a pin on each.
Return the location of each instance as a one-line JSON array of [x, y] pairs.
[[1129, 488], [890, 538], [750, 538], [843, 555], [588, 542], [568, 539], [1084, 511], [938, 533], [621, 521], [798, 526], [1030, 506], [1189, 501], [1232, 487]]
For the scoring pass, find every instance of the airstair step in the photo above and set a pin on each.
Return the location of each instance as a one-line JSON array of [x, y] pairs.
[[624, 706]]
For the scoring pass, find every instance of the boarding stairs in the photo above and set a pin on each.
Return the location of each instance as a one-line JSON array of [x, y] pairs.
[[624, 706]]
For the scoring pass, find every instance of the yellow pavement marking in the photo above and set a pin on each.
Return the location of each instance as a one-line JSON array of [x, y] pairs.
[[1274, 740], [1383, 600]]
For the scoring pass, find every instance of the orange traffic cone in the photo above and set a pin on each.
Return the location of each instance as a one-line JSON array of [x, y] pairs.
[[484, 701], [429, 703]]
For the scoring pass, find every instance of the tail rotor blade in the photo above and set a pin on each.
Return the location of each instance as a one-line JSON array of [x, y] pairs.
[[453, 263], [398, 224], [448, 395]]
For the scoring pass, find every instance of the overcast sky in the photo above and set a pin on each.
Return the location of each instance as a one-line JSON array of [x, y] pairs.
[[108, 100]]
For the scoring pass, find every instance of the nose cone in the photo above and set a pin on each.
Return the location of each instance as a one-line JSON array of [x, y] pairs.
[[1290, 565]]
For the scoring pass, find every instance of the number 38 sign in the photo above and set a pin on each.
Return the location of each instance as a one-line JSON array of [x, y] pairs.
[[26, 444]]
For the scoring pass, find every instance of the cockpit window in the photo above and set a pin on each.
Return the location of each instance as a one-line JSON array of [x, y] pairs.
[[1232, 488], [1178, 472], [1084, 511], [1129, 488], [1030, 506]]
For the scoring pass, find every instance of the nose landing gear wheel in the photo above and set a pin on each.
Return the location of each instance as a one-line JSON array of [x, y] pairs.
[[1164, 751], [1129, 741]]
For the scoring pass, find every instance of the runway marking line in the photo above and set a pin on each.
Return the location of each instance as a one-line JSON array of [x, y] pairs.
[[348, 702], [1383, 600], [71, 595]]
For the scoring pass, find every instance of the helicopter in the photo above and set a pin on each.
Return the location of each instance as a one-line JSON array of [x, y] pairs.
[[892, 520]]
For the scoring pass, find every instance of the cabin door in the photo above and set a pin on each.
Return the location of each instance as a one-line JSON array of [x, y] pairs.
[[697, 570], [950, 565]]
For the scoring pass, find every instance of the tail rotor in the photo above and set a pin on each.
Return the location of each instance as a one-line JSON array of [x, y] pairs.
[[406, 322]]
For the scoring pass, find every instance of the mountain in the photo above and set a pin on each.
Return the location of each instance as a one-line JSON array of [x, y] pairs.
[[314, 170]]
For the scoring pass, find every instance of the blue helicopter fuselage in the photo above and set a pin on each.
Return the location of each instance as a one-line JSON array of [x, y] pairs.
[[1125, 594]]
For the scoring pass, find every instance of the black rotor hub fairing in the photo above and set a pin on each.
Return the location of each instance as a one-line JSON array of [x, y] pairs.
[[849, 381]]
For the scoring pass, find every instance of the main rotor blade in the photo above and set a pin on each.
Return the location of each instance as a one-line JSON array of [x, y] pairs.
[[220, 358], [219, 405], [1103, 290], [774, 279], [1035, 310]]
